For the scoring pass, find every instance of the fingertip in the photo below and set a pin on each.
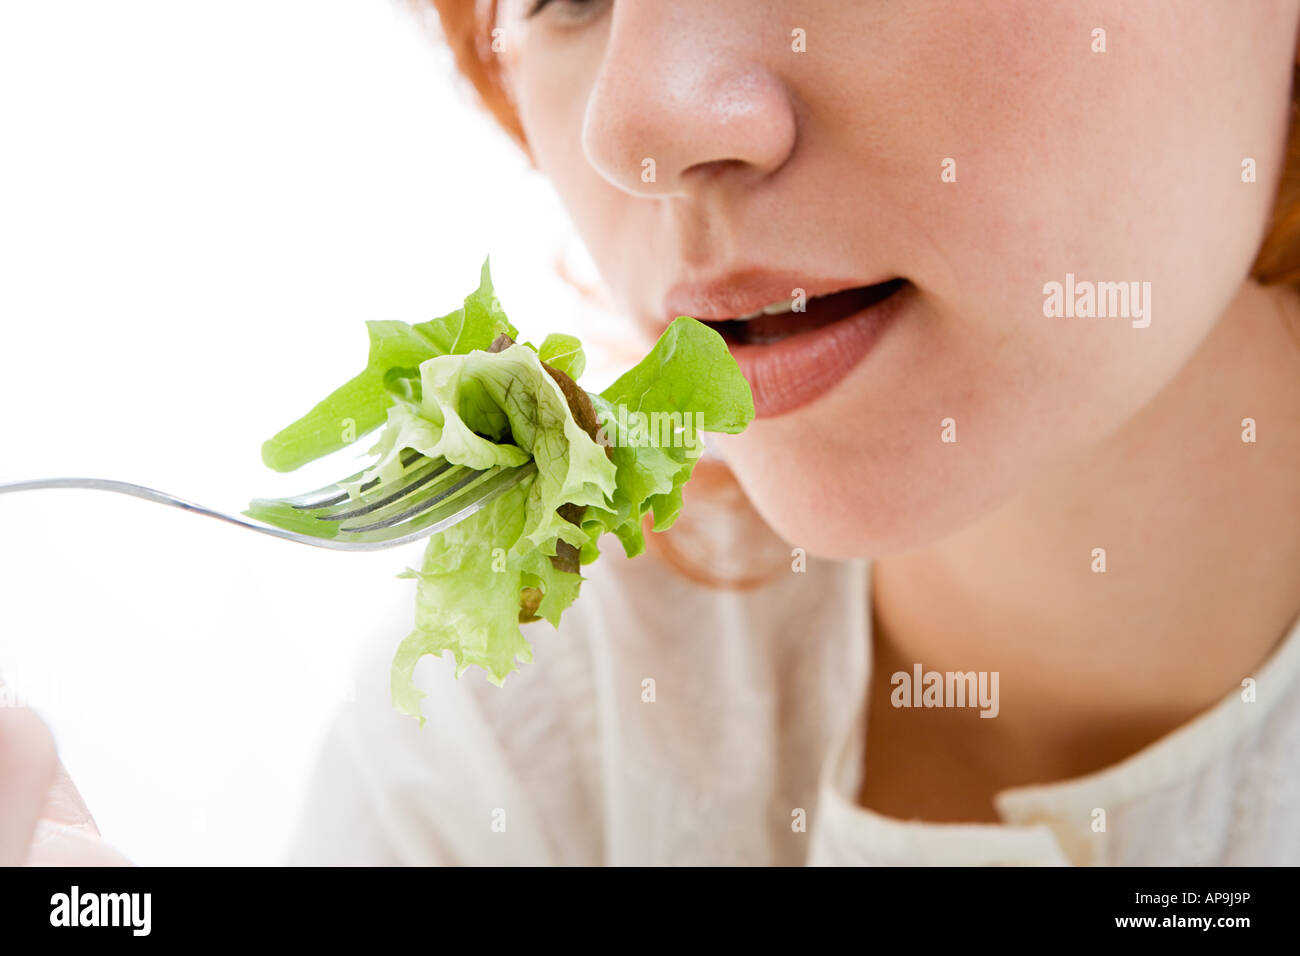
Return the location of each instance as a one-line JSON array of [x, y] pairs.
[[28, 765]]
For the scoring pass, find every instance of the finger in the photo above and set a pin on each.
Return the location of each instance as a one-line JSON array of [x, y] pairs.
[[64, 804], [28, 766], [55, 844]]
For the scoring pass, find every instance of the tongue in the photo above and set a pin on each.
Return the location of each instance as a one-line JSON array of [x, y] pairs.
[[821, 310]]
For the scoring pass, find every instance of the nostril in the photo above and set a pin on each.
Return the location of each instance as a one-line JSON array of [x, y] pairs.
[[717, 168]]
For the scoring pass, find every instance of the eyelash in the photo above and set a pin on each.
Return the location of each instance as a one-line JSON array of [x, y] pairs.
[[540, 5]]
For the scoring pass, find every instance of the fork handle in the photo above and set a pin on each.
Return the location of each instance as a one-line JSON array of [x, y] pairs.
[[159, 497]]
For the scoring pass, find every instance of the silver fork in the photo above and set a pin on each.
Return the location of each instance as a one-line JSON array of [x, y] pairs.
[[429, 496]]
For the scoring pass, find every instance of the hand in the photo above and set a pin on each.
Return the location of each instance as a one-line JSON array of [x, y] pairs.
[[43, 820]]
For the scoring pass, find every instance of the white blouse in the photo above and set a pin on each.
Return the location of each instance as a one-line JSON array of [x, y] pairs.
[[671, 723]]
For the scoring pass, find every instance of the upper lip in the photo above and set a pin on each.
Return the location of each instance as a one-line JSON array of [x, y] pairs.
[[743, 291]]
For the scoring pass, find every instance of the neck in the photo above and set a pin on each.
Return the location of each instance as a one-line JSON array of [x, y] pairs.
[[1201, 539]]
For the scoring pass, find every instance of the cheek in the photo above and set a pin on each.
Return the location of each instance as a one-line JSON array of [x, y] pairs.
[[1123, 165], [550, 87]]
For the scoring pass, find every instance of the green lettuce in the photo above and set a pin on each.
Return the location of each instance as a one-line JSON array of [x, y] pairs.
[[438, 389], [396, 351]]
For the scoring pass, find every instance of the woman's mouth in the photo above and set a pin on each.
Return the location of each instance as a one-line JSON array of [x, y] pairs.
[[792, 357]]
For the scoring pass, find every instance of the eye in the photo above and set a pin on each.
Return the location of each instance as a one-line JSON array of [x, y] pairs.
[[567, 11]]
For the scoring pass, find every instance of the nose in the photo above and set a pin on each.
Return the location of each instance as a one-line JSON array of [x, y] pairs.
[[687, 93]]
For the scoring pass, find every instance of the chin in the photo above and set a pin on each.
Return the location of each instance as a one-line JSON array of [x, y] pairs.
[[840, 501], [819, 509]]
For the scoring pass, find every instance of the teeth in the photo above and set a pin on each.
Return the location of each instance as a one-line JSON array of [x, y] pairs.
[[776, 308]]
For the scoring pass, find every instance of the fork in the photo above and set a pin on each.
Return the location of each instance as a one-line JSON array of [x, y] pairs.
[[430, 495]]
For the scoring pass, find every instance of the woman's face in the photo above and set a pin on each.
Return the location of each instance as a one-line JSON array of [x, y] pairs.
[[779, 166]]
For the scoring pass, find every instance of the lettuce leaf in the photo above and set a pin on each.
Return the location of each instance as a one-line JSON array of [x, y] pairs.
[[653, 415], [396, 350], [436, 388], [563, 352], [487, 409]]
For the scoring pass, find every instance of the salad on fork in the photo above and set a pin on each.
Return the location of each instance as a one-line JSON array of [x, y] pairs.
[[459, 395]]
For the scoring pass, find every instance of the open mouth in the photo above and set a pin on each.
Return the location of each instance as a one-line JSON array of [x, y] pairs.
[[780, 321]]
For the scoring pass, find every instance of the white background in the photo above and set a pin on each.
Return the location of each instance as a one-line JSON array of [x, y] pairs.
[[200, 204]]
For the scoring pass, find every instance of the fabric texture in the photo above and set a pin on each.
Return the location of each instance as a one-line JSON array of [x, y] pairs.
[[671, 723]]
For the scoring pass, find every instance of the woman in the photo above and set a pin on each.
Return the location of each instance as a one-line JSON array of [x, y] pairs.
[[1034, 464]]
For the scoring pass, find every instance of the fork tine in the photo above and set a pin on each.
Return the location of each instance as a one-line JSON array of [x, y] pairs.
[[432, 516], [462, 483], [440, 483], [334, 493], [411, 481]]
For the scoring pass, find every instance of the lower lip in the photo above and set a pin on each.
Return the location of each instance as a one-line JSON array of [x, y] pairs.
[[787, 375]]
